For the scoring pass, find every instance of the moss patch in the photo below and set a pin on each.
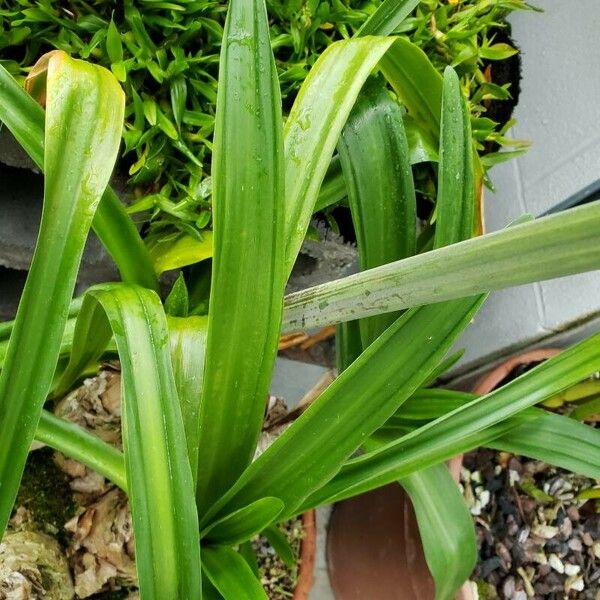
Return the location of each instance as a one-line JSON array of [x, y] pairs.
[[46, 494]]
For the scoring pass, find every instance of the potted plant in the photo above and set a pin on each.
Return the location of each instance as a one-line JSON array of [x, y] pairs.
[[194, 389]]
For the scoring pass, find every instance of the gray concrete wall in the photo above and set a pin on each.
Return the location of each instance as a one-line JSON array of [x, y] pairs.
[[559, 111]]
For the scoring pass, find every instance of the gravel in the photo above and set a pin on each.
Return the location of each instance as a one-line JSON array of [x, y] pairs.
[[537, 537]]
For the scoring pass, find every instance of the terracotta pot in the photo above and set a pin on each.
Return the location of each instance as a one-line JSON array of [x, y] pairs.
[[374, 550], [308, 549], [494, 378]]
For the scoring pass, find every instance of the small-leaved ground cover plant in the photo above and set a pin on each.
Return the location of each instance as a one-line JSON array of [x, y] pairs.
[[165, 54], [194, 388]]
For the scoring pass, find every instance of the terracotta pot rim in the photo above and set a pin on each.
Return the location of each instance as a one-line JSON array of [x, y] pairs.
[[308, 550], [492, 378]]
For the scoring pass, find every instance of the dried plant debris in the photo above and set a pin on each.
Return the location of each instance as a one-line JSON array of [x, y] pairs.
[[102, 549], [96, 406], [537, 536], [277, 578], [33, 566]]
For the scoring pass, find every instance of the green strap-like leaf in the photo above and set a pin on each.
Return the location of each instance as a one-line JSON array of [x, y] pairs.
[[231, 575], [91, 336], [429, 404], [387, 17], [333, 189], [359, 401], [159, 478], [376, 163], [555, 439], [418, 85], [169, 253], [554, 246], [78, 444], [25, 119], [280, 543], [446, 527], [473, 424], [84, 118], [348, 345], [247, 277], [188, 346], [245, 523], [455, 204], [313, 127]]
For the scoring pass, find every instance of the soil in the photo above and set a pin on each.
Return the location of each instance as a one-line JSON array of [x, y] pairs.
[[277, 578], [502, 72]]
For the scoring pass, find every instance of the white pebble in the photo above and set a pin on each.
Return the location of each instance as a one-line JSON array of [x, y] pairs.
[[571, 569], [545, 531], [484, 498], [556, 563], [578, 585]]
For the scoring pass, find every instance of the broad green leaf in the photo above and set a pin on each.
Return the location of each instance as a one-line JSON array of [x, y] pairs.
[[247, 277], [446, 527], [114, 47], [553, 246], [209, 591], [177, 303], [84, 117], [25, 120], [187, 338], [586, 409], [181, 251], [421, 147], [455, 204], [243, 524], [78, 444], [473, 424], [498, 51], [159, 477], [359, 401], [230, 574], [387, 17], [246, 550], [376, 165]]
